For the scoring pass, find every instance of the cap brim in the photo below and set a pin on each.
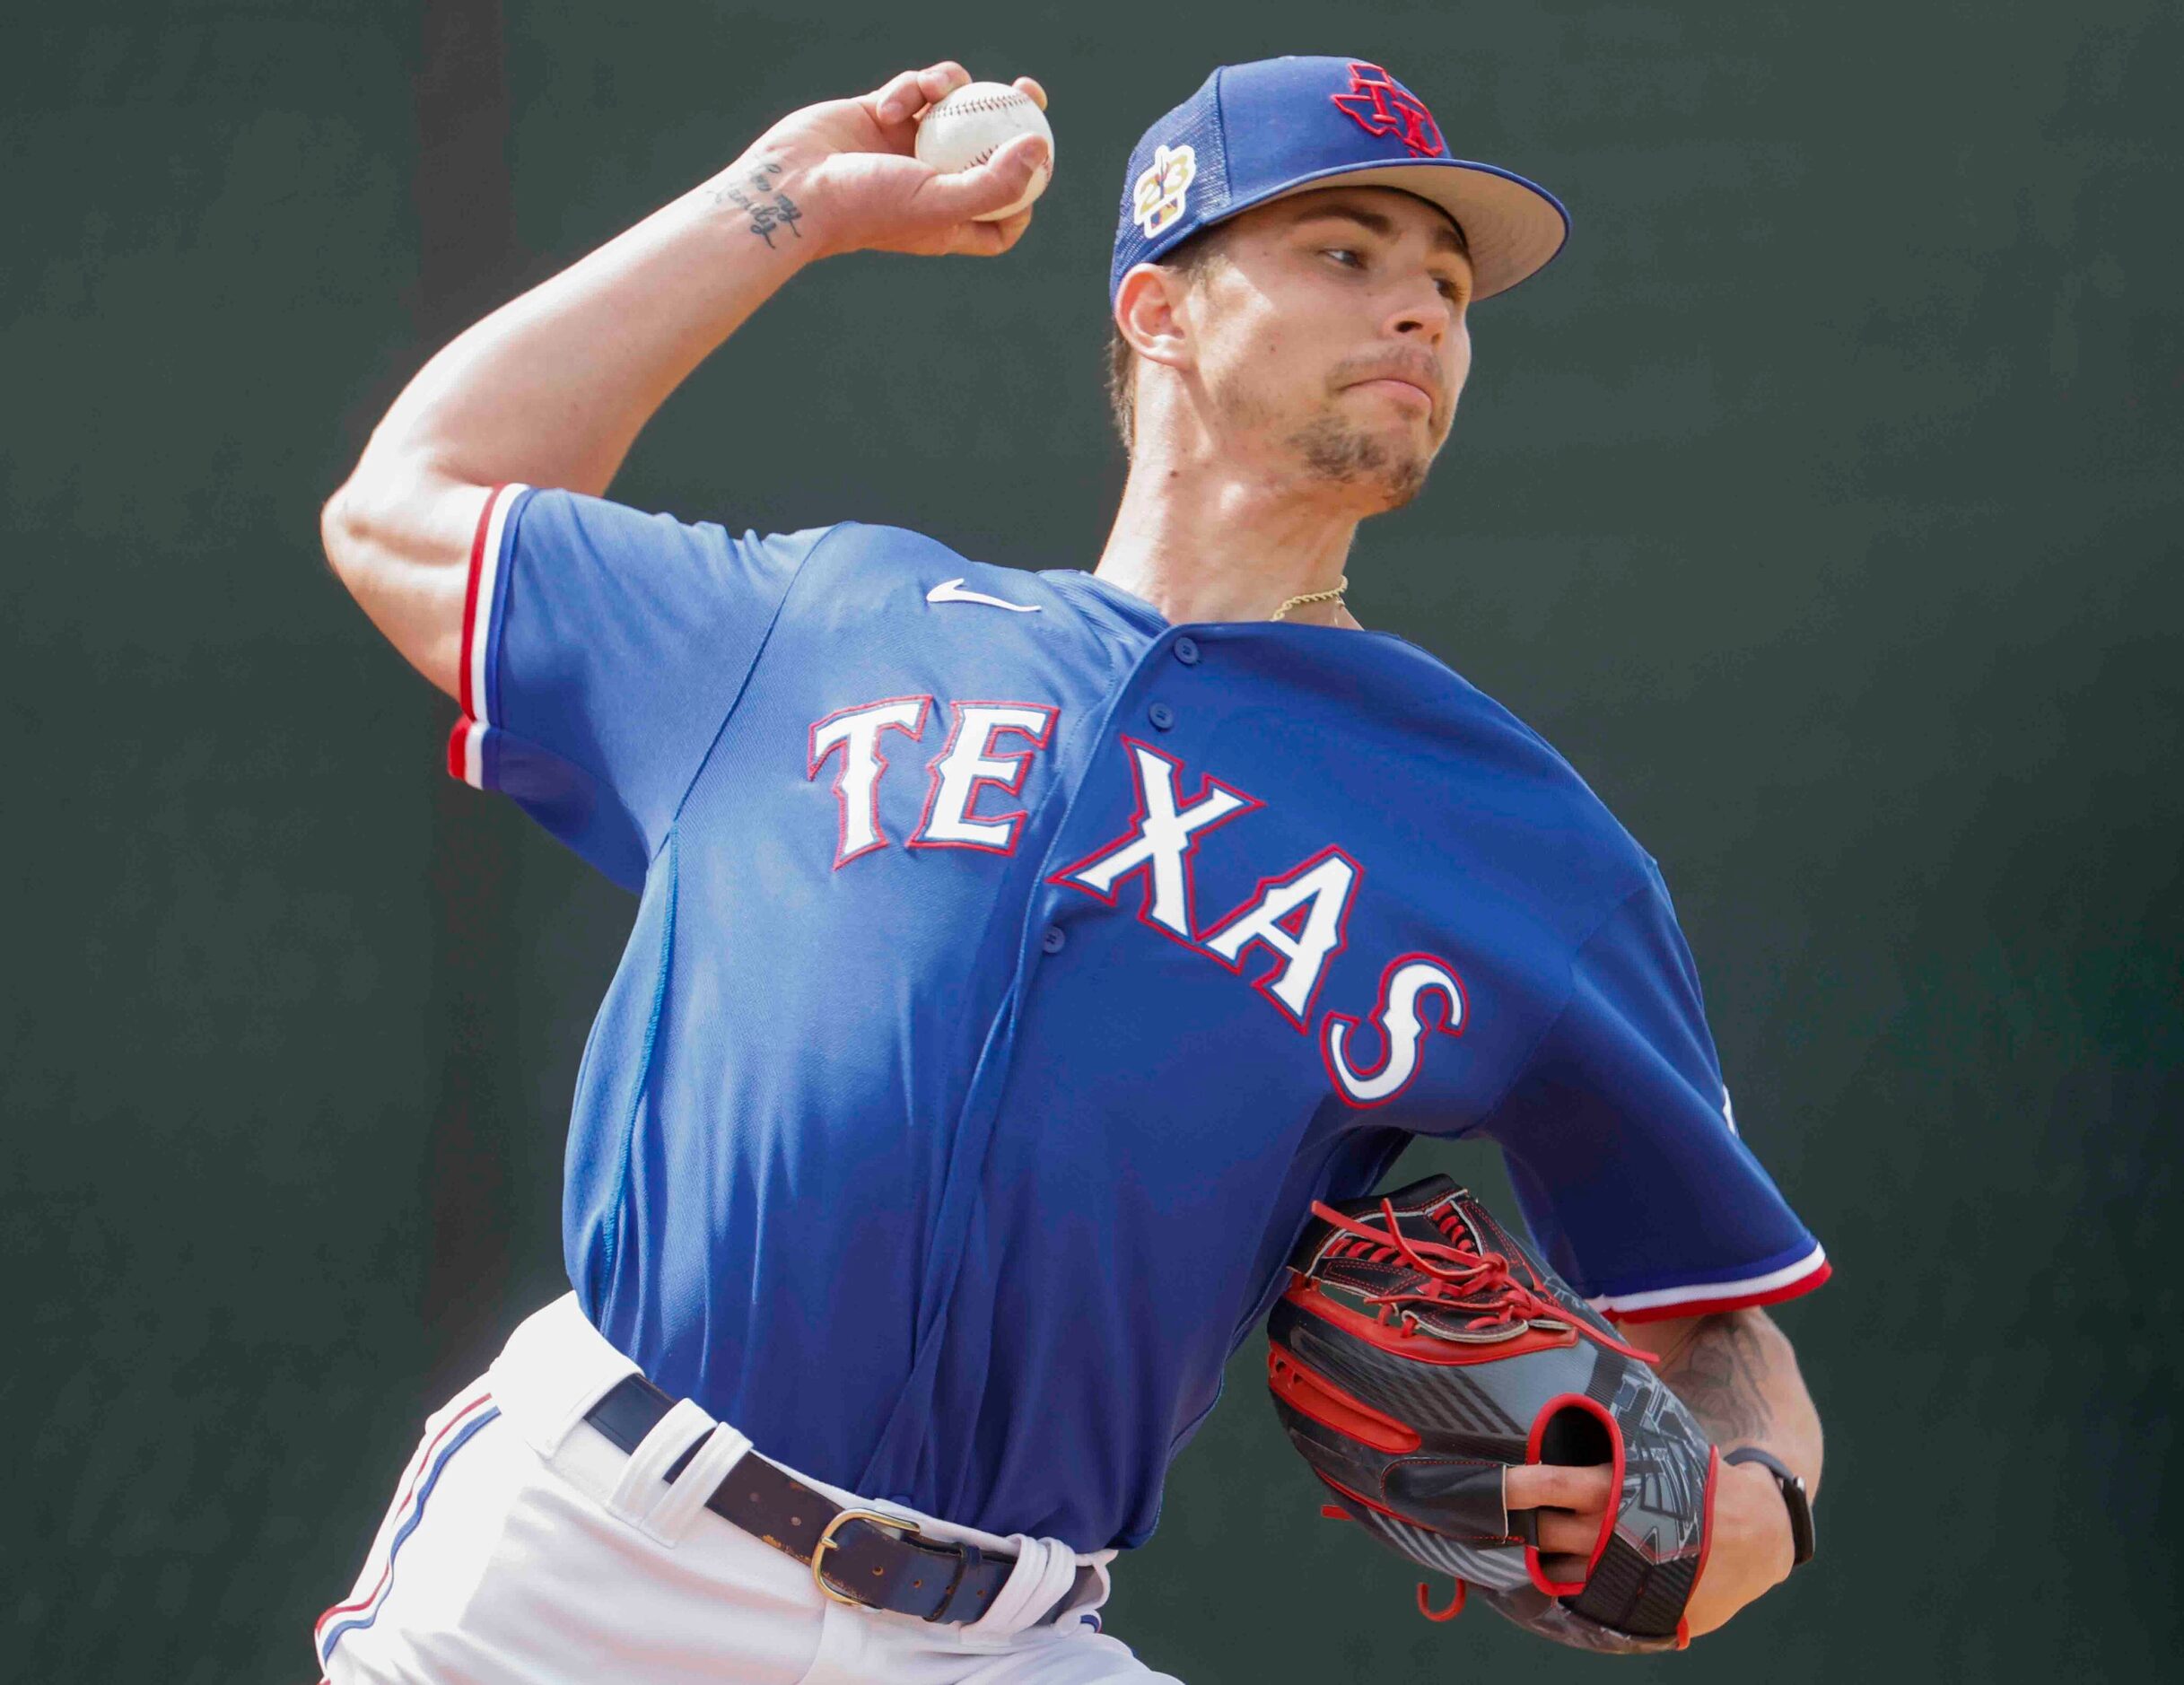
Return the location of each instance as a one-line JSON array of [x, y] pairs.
[[1513, 227]]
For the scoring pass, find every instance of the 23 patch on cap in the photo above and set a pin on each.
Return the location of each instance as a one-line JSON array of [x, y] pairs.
[[1157, 198]]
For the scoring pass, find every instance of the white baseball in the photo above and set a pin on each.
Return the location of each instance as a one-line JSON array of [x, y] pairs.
[[976, 121]]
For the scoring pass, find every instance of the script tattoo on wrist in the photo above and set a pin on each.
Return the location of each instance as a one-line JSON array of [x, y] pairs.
[[756, 192], [1719, 1374]]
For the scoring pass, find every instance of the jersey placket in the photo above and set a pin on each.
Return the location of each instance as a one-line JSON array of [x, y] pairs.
[[895, 1460]]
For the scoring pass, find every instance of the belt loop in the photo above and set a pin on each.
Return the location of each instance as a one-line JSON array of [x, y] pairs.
[[644, 1499], [696, 1476], [970, 1559], [1044, 1577]]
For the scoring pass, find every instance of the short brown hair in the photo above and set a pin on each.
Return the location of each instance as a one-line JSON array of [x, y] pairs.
[[1190, 259]]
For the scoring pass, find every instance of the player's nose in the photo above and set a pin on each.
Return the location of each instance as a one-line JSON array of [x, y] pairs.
[[1421, 310]]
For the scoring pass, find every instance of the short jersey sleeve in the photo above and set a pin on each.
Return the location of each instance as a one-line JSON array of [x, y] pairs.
[[602, 650], [1623, 1147]]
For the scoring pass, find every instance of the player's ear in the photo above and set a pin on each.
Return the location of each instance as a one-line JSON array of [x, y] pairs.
[[1148, 314]]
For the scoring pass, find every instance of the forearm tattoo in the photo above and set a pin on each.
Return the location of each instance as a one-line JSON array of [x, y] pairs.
[[1721, 1372], [755, 193]]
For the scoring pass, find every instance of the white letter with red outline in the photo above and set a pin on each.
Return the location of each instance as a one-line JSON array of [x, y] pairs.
[[967, 762], [1404, 987], [855, 731], [1163, 835], [1299, 917]]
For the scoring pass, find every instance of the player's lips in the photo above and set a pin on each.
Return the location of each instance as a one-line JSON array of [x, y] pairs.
[[1412, 382], [1400, 387]]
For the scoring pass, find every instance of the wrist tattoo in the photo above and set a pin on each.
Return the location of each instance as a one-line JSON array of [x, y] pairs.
[[1720, 1374], [755, 193]]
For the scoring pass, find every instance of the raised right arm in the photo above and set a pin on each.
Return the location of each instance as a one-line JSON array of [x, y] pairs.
[[553, 388]]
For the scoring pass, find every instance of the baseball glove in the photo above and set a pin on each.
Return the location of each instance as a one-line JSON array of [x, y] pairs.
[[1420, 1351]]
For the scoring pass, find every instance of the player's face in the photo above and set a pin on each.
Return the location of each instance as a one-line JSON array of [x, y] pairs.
[[1333, 341]]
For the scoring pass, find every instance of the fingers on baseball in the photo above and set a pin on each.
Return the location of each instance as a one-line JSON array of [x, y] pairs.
[[904, 96], [1029, 87], [966, 195]]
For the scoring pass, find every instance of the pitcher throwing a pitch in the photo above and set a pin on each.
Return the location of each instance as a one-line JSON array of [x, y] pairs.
[[1021, 957]]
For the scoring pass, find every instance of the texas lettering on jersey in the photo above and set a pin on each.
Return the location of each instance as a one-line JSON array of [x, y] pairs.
[[1297, 918]]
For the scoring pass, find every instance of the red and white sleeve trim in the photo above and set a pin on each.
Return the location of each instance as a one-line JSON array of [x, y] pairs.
[[1704, 1298], [466, 742]]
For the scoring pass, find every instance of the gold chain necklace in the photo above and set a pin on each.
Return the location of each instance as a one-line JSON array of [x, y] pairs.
[[1333, 596]]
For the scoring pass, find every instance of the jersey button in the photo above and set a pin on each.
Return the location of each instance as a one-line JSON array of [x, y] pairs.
[[1187, 651], [1161, 716], [1054, 938]]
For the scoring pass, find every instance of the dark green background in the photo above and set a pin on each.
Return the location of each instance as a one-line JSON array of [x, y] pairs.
[[1821, 503]]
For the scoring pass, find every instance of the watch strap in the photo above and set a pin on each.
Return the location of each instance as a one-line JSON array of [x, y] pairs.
[[1791, 1487]]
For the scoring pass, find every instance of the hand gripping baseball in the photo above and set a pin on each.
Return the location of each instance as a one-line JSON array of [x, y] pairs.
[[852, 164]]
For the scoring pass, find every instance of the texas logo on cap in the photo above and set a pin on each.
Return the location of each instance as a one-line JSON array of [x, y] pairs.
[[1258, 131], [1383, 106]]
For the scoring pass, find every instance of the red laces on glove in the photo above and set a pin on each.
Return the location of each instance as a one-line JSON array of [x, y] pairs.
[[1458, 1275]]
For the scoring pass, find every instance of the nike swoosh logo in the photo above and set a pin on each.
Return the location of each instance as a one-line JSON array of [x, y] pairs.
[[952, 591]]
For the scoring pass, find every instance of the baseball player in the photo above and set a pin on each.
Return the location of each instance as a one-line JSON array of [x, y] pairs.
[[1019, 956]]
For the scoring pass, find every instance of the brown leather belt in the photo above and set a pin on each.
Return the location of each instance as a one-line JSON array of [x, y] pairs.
[[856, 1556]]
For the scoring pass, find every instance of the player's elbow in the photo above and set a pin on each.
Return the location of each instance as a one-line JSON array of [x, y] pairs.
[[384, 520], [399, 539], [343, 535]]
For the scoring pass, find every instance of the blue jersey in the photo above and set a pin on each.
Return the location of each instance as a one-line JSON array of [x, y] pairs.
[[1012, 968]]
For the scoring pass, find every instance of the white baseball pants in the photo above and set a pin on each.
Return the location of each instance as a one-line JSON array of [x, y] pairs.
[[523, 1546]]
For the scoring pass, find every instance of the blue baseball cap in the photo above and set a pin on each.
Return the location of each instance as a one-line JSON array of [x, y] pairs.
[[1258, 131]]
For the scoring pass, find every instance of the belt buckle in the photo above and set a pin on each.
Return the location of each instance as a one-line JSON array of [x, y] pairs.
[[826, 1538]]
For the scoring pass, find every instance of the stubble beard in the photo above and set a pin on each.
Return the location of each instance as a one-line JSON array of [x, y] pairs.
[[1340, 452]]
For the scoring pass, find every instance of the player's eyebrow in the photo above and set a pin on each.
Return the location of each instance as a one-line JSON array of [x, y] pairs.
[[1445, 235]]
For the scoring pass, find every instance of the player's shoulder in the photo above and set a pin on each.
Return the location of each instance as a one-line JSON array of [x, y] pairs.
[[901, 554], [887, 551], [563, 522], [1457, 724], [1452, 715], [886, 568]]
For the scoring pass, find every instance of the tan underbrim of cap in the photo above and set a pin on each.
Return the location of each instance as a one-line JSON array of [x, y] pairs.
[[1513, 229]]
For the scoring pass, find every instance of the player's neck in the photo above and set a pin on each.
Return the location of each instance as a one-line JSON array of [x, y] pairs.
[[1203, 542]]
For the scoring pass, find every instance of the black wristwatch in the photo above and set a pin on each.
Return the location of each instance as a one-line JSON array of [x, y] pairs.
[[1793, 1495]]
